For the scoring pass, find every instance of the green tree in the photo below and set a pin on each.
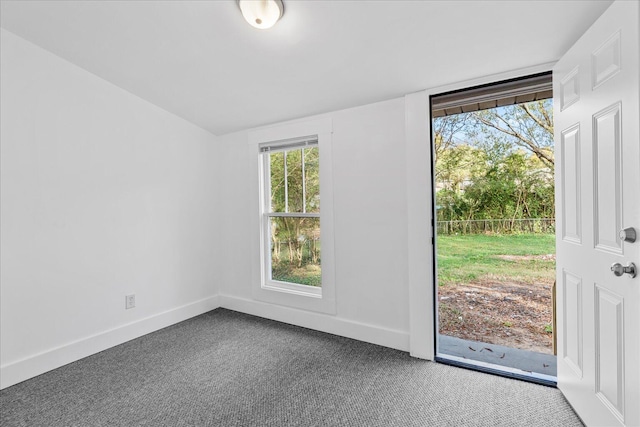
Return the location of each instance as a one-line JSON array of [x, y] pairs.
[[496, 163], [528, 126]]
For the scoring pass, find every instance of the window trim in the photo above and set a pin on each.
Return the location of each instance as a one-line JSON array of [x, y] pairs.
[[282, 293]]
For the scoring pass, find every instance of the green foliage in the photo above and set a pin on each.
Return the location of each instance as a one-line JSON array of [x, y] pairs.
[[495, 163], [295, 191], [548, 328], [309, 275]]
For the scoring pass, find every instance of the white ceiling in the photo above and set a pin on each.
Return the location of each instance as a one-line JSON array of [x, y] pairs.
[[203, 62]]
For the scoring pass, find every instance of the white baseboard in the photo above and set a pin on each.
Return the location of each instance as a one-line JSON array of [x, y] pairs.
[[32, 366], [29, 367], [319, 322]]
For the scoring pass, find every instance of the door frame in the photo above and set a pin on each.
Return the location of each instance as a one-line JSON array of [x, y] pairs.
[[420, 210]]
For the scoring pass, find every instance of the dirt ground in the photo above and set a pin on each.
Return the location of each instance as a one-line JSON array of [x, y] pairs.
[[499, 311]]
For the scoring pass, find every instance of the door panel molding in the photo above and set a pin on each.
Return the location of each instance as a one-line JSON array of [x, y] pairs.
[[607, 177], [572, 321], [570, 89], [610, 363], [605, 61], [571, 184]]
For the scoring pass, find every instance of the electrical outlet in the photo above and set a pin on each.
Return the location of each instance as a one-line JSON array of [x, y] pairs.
[[130, 301]]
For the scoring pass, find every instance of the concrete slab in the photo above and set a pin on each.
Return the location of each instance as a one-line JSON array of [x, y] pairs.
[[528, 361]]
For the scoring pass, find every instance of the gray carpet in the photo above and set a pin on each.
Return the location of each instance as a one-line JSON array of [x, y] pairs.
[[229, 369]]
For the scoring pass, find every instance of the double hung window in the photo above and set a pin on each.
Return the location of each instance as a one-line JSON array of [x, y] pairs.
[[291, 246]]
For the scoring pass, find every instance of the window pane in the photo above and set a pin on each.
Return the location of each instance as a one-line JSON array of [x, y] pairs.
[[312, 179], [295, 250], [276, 163], [294, 180]]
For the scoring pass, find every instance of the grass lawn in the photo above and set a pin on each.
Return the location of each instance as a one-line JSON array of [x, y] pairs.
[[465, 258]]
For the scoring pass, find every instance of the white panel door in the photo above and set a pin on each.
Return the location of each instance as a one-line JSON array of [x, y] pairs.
[[597, 116]]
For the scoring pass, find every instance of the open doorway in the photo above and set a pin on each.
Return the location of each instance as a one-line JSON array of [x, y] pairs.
[[494, 227]]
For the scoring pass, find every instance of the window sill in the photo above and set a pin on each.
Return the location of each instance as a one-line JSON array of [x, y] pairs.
[[293, 288]]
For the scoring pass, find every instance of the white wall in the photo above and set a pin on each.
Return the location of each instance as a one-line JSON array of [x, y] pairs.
[[103, 194], [370, 220]]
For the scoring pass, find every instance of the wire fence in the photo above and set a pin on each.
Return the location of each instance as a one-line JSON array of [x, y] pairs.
[[498, 226]]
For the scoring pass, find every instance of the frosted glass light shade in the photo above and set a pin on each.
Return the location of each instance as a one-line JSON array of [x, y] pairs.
[[261, 14]]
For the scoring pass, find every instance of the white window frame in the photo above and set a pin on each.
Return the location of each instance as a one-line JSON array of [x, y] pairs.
[[320, 299], [275, 147]]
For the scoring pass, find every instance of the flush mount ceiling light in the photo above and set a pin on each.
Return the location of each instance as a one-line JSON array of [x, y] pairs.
[[261, 14]]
